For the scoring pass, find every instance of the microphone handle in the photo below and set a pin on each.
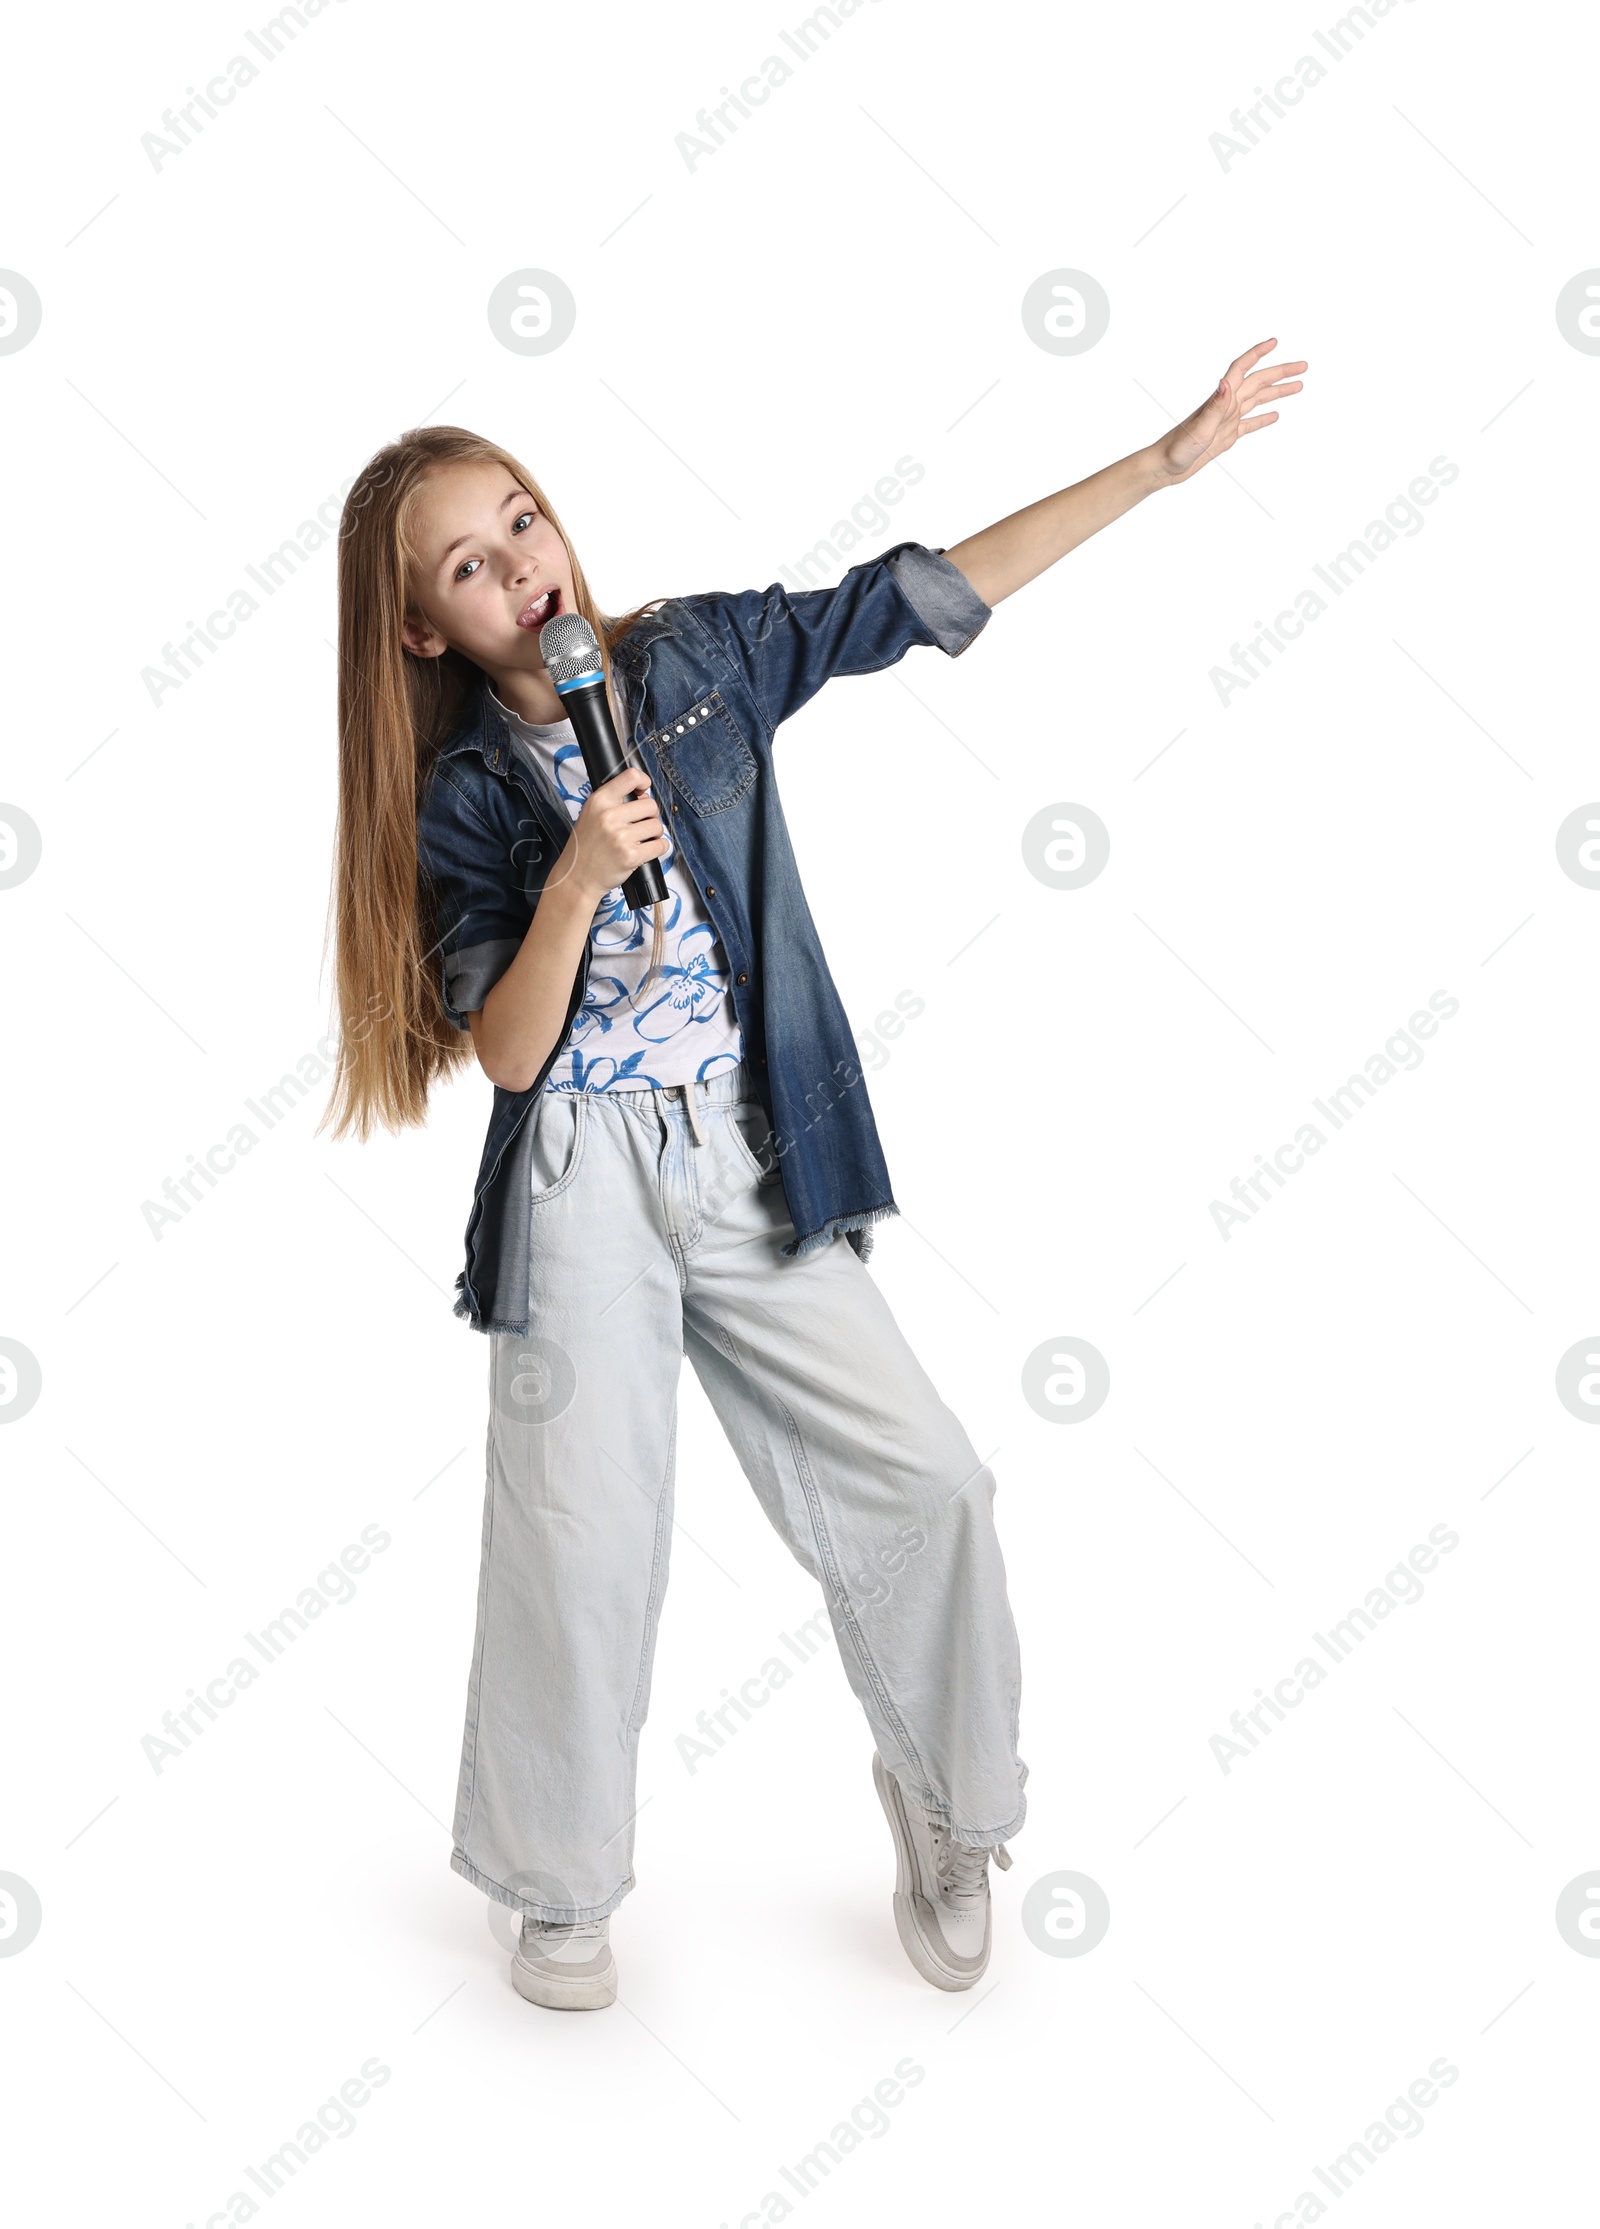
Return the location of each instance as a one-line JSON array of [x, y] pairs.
[[586, 706]]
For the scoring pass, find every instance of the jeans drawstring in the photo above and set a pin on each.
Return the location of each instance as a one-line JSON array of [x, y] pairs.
[[693, 1114]]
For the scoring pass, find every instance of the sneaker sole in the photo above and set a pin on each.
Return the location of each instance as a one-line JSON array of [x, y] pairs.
[[923, 1954], [559, 1993]]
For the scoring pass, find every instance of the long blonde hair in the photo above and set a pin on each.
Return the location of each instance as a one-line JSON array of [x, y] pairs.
[[395, 713]]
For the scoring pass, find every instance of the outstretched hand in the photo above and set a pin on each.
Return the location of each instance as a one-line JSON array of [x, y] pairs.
[[1212, 430], [1016, 549]]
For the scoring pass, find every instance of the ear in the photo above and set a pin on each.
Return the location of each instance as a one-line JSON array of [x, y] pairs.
[[421, 638]]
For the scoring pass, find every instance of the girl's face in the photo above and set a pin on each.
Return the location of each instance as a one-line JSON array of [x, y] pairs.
[[492, 570]]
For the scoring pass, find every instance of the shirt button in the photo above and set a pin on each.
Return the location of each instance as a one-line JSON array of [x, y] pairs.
[[674, 804], [741, 978], [711, 889]]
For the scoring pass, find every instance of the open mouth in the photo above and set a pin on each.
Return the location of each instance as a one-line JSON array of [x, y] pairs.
[[542, 607]]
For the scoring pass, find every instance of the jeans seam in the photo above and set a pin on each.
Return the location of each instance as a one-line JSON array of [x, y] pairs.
[[652, 1604], [841, 1595], [469, 1762]]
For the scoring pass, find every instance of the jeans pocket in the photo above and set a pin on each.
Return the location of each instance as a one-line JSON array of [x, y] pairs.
[[561, 1123], [751, 1135]]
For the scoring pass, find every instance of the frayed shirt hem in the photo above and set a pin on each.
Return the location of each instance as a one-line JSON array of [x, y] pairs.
[[857, 1226], [467, 1308]]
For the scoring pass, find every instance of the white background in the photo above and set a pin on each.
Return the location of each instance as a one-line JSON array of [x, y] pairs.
[[1292, 1943]]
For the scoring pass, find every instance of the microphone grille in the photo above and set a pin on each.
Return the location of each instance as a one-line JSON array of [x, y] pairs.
[[568, 647]]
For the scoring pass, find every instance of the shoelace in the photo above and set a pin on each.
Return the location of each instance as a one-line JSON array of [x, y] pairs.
[[580, 1927], [963, 1869]]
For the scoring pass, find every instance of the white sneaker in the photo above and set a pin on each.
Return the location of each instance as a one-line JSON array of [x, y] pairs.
[[941, 1889], [570, 1969]]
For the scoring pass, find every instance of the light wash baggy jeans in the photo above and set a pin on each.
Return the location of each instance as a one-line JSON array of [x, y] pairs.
[[656, 1233]]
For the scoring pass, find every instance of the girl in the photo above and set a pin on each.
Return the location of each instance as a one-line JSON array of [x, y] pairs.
[[679, 1137]]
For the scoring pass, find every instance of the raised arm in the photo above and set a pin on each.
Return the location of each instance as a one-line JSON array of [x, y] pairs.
[[1015, 550]]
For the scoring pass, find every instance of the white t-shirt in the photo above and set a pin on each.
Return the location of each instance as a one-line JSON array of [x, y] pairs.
[[681, 1028]]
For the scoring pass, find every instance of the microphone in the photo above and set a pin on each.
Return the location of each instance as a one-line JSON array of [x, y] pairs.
[[572, 659]]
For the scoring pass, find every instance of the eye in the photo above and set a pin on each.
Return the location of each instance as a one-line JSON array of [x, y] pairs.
[[465, 569]]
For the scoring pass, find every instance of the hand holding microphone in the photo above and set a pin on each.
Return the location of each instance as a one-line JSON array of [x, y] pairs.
[[626, 828], [614, 831]]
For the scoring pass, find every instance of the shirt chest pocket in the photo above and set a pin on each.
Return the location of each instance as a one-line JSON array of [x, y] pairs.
[[705, 758]]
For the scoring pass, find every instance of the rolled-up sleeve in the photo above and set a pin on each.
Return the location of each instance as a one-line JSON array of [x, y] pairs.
[[790, 642], [940, 594], [479, 860], [469, 976]]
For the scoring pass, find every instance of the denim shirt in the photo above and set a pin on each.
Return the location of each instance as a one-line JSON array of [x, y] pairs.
[[702, 683]]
